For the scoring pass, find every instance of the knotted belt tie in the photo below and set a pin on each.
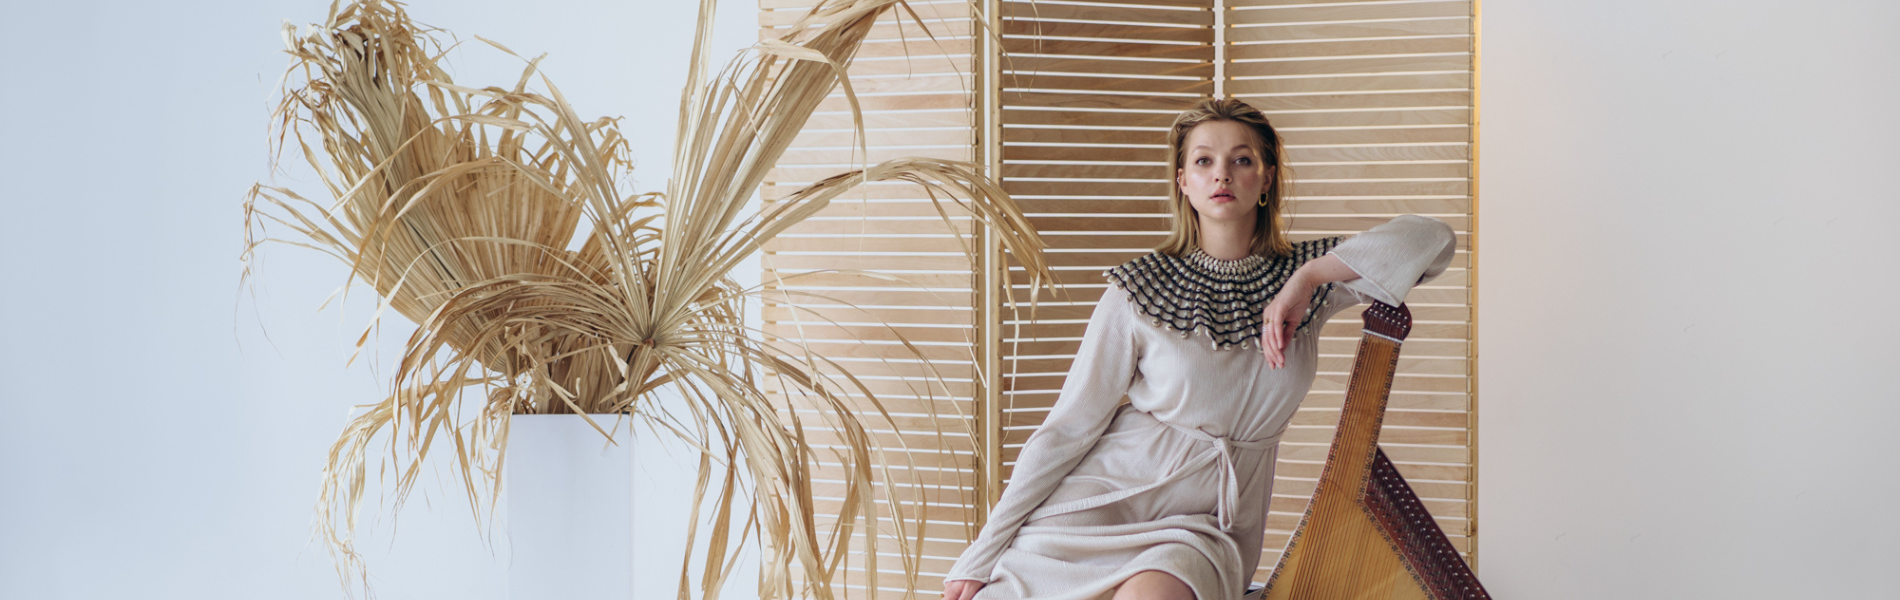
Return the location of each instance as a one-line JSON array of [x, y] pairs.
[[1221, 455]]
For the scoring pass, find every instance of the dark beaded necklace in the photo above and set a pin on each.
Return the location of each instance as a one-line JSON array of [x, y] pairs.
[[1220, 298]]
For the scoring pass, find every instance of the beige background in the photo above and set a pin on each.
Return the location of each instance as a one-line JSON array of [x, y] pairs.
[[1688, 261]]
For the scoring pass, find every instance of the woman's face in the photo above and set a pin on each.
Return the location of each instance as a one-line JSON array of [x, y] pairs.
[[1223, 173]]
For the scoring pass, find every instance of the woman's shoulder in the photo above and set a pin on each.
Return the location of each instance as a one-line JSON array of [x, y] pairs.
[[1143, 271], [1306, 250]]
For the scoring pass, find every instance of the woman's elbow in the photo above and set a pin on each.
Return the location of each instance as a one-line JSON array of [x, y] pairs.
[[1428, 227], [1436, 239]]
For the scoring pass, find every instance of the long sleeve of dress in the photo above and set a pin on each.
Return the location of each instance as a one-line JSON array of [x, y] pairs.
[[1102, 373], [1396, 255]]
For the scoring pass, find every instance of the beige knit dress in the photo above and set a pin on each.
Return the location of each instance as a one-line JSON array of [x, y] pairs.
[[1178, 479]]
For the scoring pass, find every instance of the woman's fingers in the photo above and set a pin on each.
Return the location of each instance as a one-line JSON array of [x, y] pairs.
[[1279, 343], [1277, 322], [962, 589], [1273, 336], [1276, 331]]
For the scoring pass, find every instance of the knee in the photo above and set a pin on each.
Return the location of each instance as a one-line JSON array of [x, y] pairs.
[[1154, 585]]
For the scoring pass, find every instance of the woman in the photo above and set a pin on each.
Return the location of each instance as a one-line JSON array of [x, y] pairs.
[[1166, 497]]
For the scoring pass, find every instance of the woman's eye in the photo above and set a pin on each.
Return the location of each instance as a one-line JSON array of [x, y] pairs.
[[1201, 161], [1244, 160]]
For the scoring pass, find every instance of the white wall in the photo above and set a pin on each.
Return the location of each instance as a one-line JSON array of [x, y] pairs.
[[1686, 341], [153, 442]]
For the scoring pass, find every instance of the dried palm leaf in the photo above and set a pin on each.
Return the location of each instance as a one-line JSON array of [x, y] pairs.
[[457, 205]]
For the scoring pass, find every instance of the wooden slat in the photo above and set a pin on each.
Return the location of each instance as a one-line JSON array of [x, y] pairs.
[[884, 190], [1090, 205], [942, 243], [939, 281], [915, 46], [1110, 101], [928, 11], [1376, 83], [1461, 189], [1354, 47], [1026, 65], [1309, 173], [807, 4], [1108, 31], [1199, 4], [1157, 139], [888, 30], [903, 120], [921, 460], [1151, 189], [903, 492], [1036, 11], [948, 315], [882, 261], [1154, 156], [1320, 13], [1336, 66], [1100, 171], [1157, 120], [1030, 44], [1140, 85], [880, 227], [1369, 118], [885, 137], [895, 388], [1358, 101], [1243, 33], [917, 101], [850, 159], [1446, 152]]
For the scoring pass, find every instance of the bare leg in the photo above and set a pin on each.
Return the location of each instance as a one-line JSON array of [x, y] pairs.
[[1153, 585]]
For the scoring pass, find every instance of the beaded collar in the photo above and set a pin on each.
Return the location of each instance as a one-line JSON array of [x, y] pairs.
[[1220, 298]]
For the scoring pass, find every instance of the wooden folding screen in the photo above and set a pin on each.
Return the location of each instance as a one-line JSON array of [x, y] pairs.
[[1376, 101]]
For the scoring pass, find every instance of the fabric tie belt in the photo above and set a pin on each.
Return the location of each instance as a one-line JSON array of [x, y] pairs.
[[1221, 455]]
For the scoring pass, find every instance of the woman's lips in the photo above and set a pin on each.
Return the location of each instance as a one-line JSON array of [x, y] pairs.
[[1221, 195]]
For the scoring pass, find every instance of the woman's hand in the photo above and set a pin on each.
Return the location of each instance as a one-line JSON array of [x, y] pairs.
[[961, 589], [1283, 315], [1288, 308]]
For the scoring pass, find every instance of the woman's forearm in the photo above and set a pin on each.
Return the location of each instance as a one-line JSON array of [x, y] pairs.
[[1321, 271]]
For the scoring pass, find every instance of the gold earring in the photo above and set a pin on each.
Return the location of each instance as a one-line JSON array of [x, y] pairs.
[[1263, 201]]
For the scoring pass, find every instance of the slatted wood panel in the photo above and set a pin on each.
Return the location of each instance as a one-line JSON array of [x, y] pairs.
[[1375, 102], [916, 101]]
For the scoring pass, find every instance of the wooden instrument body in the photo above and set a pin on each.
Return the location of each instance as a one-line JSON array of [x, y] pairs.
[[1365, 535]]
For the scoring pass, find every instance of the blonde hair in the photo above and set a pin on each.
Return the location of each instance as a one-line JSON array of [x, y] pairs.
[[1269, 237]]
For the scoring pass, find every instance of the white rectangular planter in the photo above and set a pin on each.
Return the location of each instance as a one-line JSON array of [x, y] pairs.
[[570, 509]]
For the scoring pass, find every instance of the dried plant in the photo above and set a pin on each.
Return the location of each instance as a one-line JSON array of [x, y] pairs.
[[458, 205]]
